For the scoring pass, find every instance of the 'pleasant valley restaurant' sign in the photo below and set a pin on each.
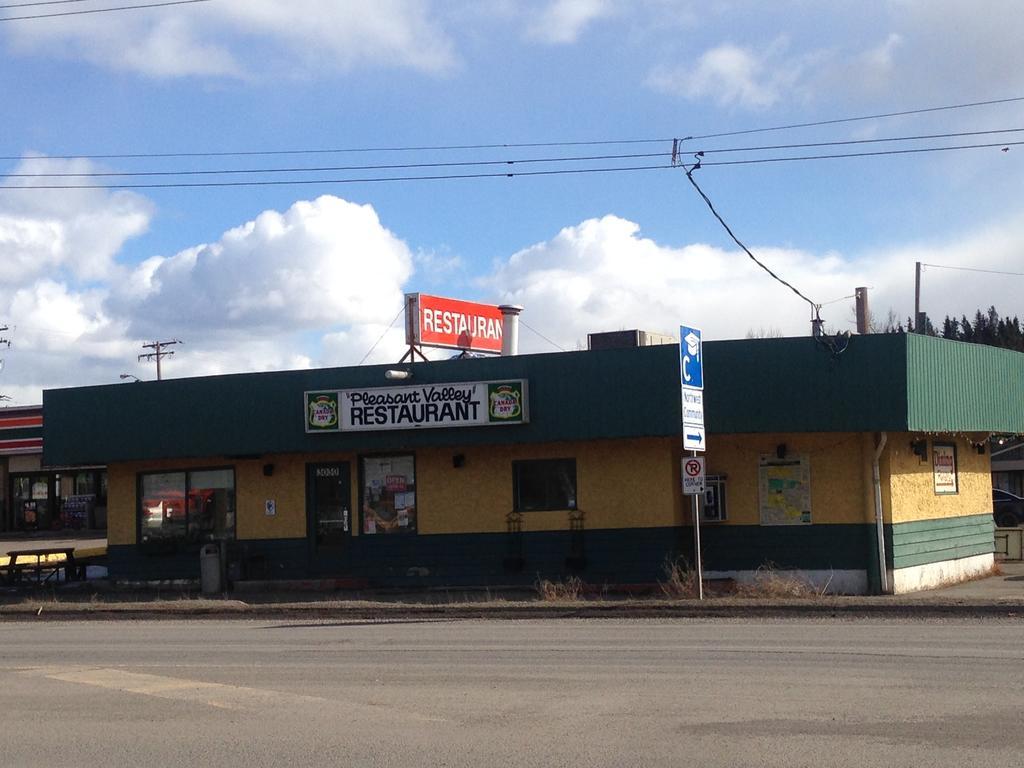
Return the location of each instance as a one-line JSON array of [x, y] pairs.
[[455, 404]]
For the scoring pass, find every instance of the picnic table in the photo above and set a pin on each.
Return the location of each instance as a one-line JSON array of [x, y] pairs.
[[43, 564]]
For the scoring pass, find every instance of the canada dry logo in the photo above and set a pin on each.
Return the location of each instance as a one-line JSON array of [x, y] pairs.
[[321, 410], [505, 402]]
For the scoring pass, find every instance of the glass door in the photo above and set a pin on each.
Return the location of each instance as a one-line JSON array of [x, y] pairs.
[[329, 504]]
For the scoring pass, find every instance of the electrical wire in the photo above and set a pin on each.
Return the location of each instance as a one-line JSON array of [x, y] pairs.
[[324, 169], [513, 145], [480, 163], [101, 10], [549, 341], [368, 179], [42, 2], [689, 175], [511, 174], [843, 155], [837, 121], [378, 341], [974, 269]]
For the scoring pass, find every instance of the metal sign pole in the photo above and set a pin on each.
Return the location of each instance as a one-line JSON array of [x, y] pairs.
[[696, 541]]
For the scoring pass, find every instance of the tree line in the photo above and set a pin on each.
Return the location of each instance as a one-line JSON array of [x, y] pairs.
[[985, 328]]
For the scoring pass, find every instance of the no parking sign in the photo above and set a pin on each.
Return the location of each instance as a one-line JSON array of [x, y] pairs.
[[693, 475]]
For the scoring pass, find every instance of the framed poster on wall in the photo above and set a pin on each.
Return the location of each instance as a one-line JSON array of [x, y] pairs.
[[944, 468], [784, 489]]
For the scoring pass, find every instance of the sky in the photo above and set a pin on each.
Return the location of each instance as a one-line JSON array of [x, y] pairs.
[[267, 268]]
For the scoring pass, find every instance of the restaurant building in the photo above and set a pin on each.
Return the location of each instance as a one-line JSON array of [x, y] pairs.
[[862, 468]]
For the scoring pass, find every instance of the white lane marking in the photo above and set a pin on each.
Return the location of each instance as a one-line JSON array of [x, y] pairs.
[[219, 695]]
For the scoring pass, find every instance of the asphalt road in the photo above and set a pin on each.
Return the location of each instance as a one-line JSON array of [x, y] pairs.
[[527, 693]]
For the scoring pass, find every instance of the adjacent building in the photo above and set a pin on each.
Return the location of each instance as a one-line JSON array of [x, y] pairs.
[[36, 498]]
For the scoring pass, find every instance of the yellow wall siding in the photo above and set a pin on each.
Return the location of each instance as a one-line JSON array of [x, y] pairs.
[[120, 504], [913, 494], [620, 484], [838, 492]]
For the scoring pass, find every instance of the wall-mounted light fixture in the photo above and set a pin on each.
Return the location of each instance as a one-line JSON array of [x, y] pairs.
[[393, 374], [458, 460], [920, 449], [268, 470], [780, 451]]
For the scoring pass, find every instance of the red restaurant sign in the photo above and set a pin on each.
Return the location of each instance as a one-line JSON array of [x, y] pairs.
[[433, 321]]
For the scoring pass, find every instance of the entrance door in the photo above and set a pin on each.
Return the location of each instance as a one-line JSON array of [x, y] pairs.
[[329, 505]]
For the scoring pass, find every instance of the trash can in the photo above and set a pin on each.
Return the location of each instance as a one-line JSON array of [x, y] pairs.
[[209, 569]]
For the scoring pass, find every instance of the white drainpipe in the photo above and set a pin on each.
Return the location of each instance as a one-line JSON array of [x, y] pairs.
[[510, 329], [879, 522]]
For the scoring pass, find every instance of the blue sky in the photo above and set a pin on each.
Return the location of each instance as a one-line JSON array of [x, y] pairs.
[[272, 277]]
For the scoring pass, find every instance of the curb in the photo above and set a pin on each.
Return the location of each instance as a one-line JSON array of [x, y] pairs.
[[367, 611]]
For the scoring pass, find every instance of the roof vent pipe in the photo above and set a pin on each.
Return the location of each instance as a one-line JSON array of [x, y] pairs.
[[510, 329]]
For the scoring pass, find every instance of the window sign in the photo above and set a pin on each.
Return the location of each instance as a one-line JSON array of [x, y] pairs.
[[422, 406], [784, 487], [388, 494], [944, 468]]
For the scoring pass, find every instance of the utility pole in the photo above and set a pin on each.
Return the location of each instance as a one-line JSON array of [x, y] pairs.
[[917, 298], [8, 343], [158, 352], [863, 312]]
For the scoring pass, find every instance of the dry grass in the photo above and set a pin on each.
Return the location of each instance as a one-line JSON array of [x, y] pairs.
[[680, 580], [560, 591], [770, 582]]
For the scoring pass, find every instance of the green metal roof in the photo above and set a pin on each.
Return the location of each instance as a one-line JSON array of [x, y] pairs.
[[952, 385], [880, 382], [889, 382]]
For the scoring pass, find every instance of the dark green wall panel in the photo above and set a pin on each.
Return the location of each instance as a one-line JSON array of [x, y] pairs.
[[933, 541]]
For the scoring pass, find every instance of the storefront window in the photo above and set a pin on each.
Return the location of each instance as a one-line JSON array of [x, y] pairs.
[[544, 484], [388, 494], [187, 506], [32, 502]]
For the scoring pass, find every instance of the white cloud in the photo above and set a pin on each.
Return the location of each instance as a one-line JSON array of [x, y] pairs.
[[562, 21], [734, 76], [63, 232], [603, 275], [321, 264], [239, 38]]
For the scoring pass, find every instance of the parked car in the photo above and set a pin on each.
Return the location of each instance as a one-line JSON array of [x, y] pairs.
[[1007, 508]]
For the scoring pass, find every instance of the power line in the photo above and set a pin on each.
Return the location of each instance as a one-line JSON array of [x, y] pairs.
[[837, 121], [509, 145], [689, 175], [45, 2], [341, 150], [324, 169], [481, 163], [371, 179], [844, 155], [390, 326], [549, 341], [102, 10], [848, 142], [974, 269], [510, 174]]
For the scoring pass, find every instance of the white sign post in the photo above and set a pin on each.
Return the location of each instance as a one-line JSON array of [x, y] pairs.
[[691, 379]]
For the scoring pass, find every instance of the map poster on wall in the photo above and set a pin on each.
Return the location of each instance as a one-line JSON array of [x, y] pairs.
[[784, 489], [944, 467]]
